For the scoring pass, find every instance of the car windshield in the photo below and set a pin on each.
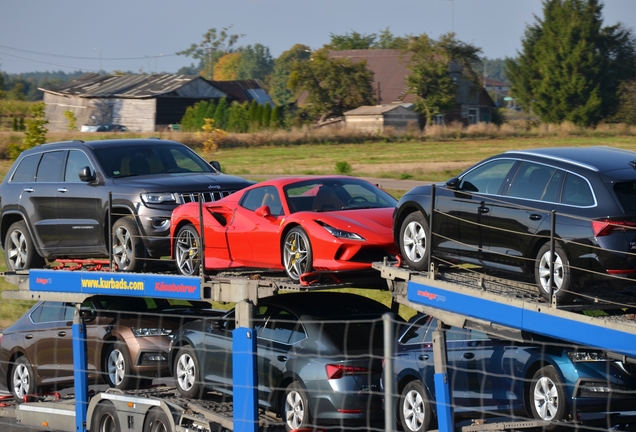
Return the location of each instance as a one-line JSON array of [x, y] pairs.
[[328, 194], [136, 160]]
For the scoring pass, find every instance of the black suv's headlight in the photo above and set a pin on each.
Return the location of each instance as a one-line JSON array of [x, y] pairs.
[[158, 198]]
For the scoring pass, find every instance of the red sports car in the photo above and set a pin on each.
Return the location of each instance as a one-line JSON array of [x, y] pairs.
[[301, 225]]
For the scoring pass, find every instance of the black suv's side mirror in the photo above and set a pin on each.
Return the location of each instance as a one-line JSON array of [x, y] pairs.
[[216, 165], [452, 184], [86, 174]]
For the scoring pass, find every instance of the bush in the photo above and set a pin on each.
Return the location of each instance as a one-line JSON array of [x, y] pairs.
[[343, 167]]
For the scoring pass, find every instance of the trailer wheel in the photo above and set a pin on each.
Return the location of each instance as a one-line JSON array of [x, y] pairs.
[[117, 364], [105, 418], [186, 373], [414, 408], [157, 421], [22, 379]]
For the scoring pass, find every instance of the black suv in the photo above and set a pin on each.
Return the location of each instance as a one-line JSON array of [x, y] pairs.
[[54, 202], [498, 214]]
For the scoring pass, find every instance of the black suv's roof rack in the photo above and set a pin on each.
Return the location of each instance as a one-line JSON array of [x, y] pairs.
[[65, 142]]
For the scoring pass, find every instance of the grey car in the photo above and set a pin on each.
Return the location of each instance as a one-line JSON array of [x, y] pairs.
[[54, 202], [319, 357]]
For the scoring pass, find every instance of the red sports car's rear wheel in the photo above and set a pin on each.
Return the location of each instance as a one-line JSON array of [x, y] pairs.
[[297, 256]]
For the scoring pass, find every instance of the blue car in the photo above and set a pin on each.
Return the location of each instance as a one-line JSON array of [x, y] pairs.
[[539, 380]]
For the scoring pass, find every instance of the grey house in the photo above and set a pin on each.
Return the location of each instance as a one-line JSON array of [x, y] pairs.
[[143, 103]]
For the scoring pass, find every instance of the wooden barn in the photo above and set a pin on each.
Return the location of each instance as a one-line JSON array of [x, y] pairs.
[[378, 118], [142, 103]]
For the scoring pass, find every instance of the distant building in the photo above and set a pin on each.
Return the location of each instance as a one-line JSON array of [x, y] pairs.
[[378, 118], [390, 69], [142, 103]]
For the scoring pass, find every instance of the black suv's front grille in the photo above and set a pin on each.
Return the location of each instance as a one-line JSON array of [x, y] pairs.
[[207, 196]]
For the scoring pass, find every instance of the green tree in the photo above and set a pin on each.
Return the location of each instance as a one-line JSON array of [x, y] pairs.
[[437, 67], [35, 131], [220, 114], [333, 86], [256, 63], [278, 83], [237, 117], [71, 119], [571, 67], [215, 45], [386, 40], [276, 120], [267, 116], [17, 92], [227, 67], [350, 41]]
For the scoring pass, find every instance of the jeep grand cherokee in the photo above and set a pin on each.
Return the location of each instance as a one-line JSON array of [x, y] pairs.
[[54, 202]]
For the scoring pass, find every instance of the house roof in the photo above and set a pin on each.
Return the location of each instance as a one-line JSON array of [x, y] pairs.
[[377, 109], [389, 69], [144, 86]]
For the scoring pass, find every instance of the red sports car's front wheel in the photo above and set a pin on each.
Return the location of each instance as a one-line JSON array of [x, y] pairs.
[[297, 257], [186, 251]]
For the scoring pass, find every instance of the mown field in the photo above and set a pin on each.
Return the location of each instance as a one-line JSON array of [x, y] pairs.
[[423, 161]]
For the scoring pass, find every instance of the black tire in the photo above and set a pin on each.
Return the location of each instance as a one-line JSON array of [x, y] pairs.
[[186, 251], [105, 418], [414, 408], [546, 397], [187, 374], [297, 254], [157, 421], [118, 367], [563, 287], [19, 250], [128, 247], [295, 407], [23, 380], [412, 241]]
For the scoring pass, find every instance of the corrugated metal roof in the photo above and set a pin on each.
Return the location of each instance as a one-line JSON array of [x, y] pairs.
[[243, 90], [376, 109], [123, 86]]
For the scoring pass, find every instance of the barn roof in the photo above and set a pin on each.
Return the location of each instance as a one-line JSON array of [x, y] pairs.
[[143, 86], [378, 109]]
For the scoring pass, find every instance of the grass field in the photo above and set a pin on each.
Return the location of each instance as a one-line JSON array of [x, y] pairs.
[[425, 161]]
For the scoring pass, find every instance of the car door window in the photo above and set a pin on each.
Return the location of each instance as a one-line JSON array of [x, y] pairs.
[[76, 160], [50, 167], [487, 178], [25, 172], [259, 197], [49, 312], [531, 181], [283, 327], [416, 333]]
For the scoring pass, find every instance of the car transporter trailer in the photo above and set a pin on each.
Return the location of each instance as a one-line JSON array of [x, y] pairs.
[[501, 307]]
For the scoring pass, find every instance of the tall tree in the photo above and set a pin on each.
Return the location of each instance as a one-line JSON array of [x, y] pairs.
[[570, 67], [227, 67], [215, 45], [350, 41], [333, 86], [278, 82], [256, 63], [436, 70]]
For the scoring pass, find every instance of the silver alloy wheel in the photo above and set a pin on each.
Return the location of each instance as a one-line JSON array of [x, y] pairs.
[[294, 410], [546, 398], [17, 250], [21, 380], [186, 372], [544, 272], [295, 255], [413, 410], [116, 366], [414, 241], [122, 247], [187, 253]]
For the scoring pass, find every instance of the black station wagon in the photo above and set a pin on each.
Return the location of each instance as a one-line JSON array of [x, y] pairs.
[[498, 214]]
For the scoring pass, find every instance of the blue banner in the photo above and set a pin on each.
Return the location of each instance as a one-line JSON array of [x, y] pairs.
[[111, 283]]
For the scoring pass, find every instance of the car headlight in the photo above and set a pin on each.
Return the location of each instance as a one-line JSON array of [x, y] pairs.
[[586, 356], [158, 198], [341, 233], [146, 331]]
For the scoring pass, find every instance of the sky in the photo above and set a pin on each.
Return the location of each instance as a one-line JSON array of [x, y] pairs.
[[143, 36]]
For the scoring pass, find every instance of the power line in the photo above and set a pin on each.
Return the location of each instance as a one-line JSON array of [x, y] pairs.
[[86, 58], [47, 63]]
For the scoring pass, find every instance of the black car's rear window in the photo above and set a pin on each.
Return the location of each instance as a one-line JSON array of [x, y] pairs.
[[349, 336], [626, 194]]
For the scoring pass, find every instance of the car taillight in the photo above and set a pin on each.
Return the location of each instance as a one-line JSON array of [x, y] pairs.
[[337, 371], [606, 227]]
